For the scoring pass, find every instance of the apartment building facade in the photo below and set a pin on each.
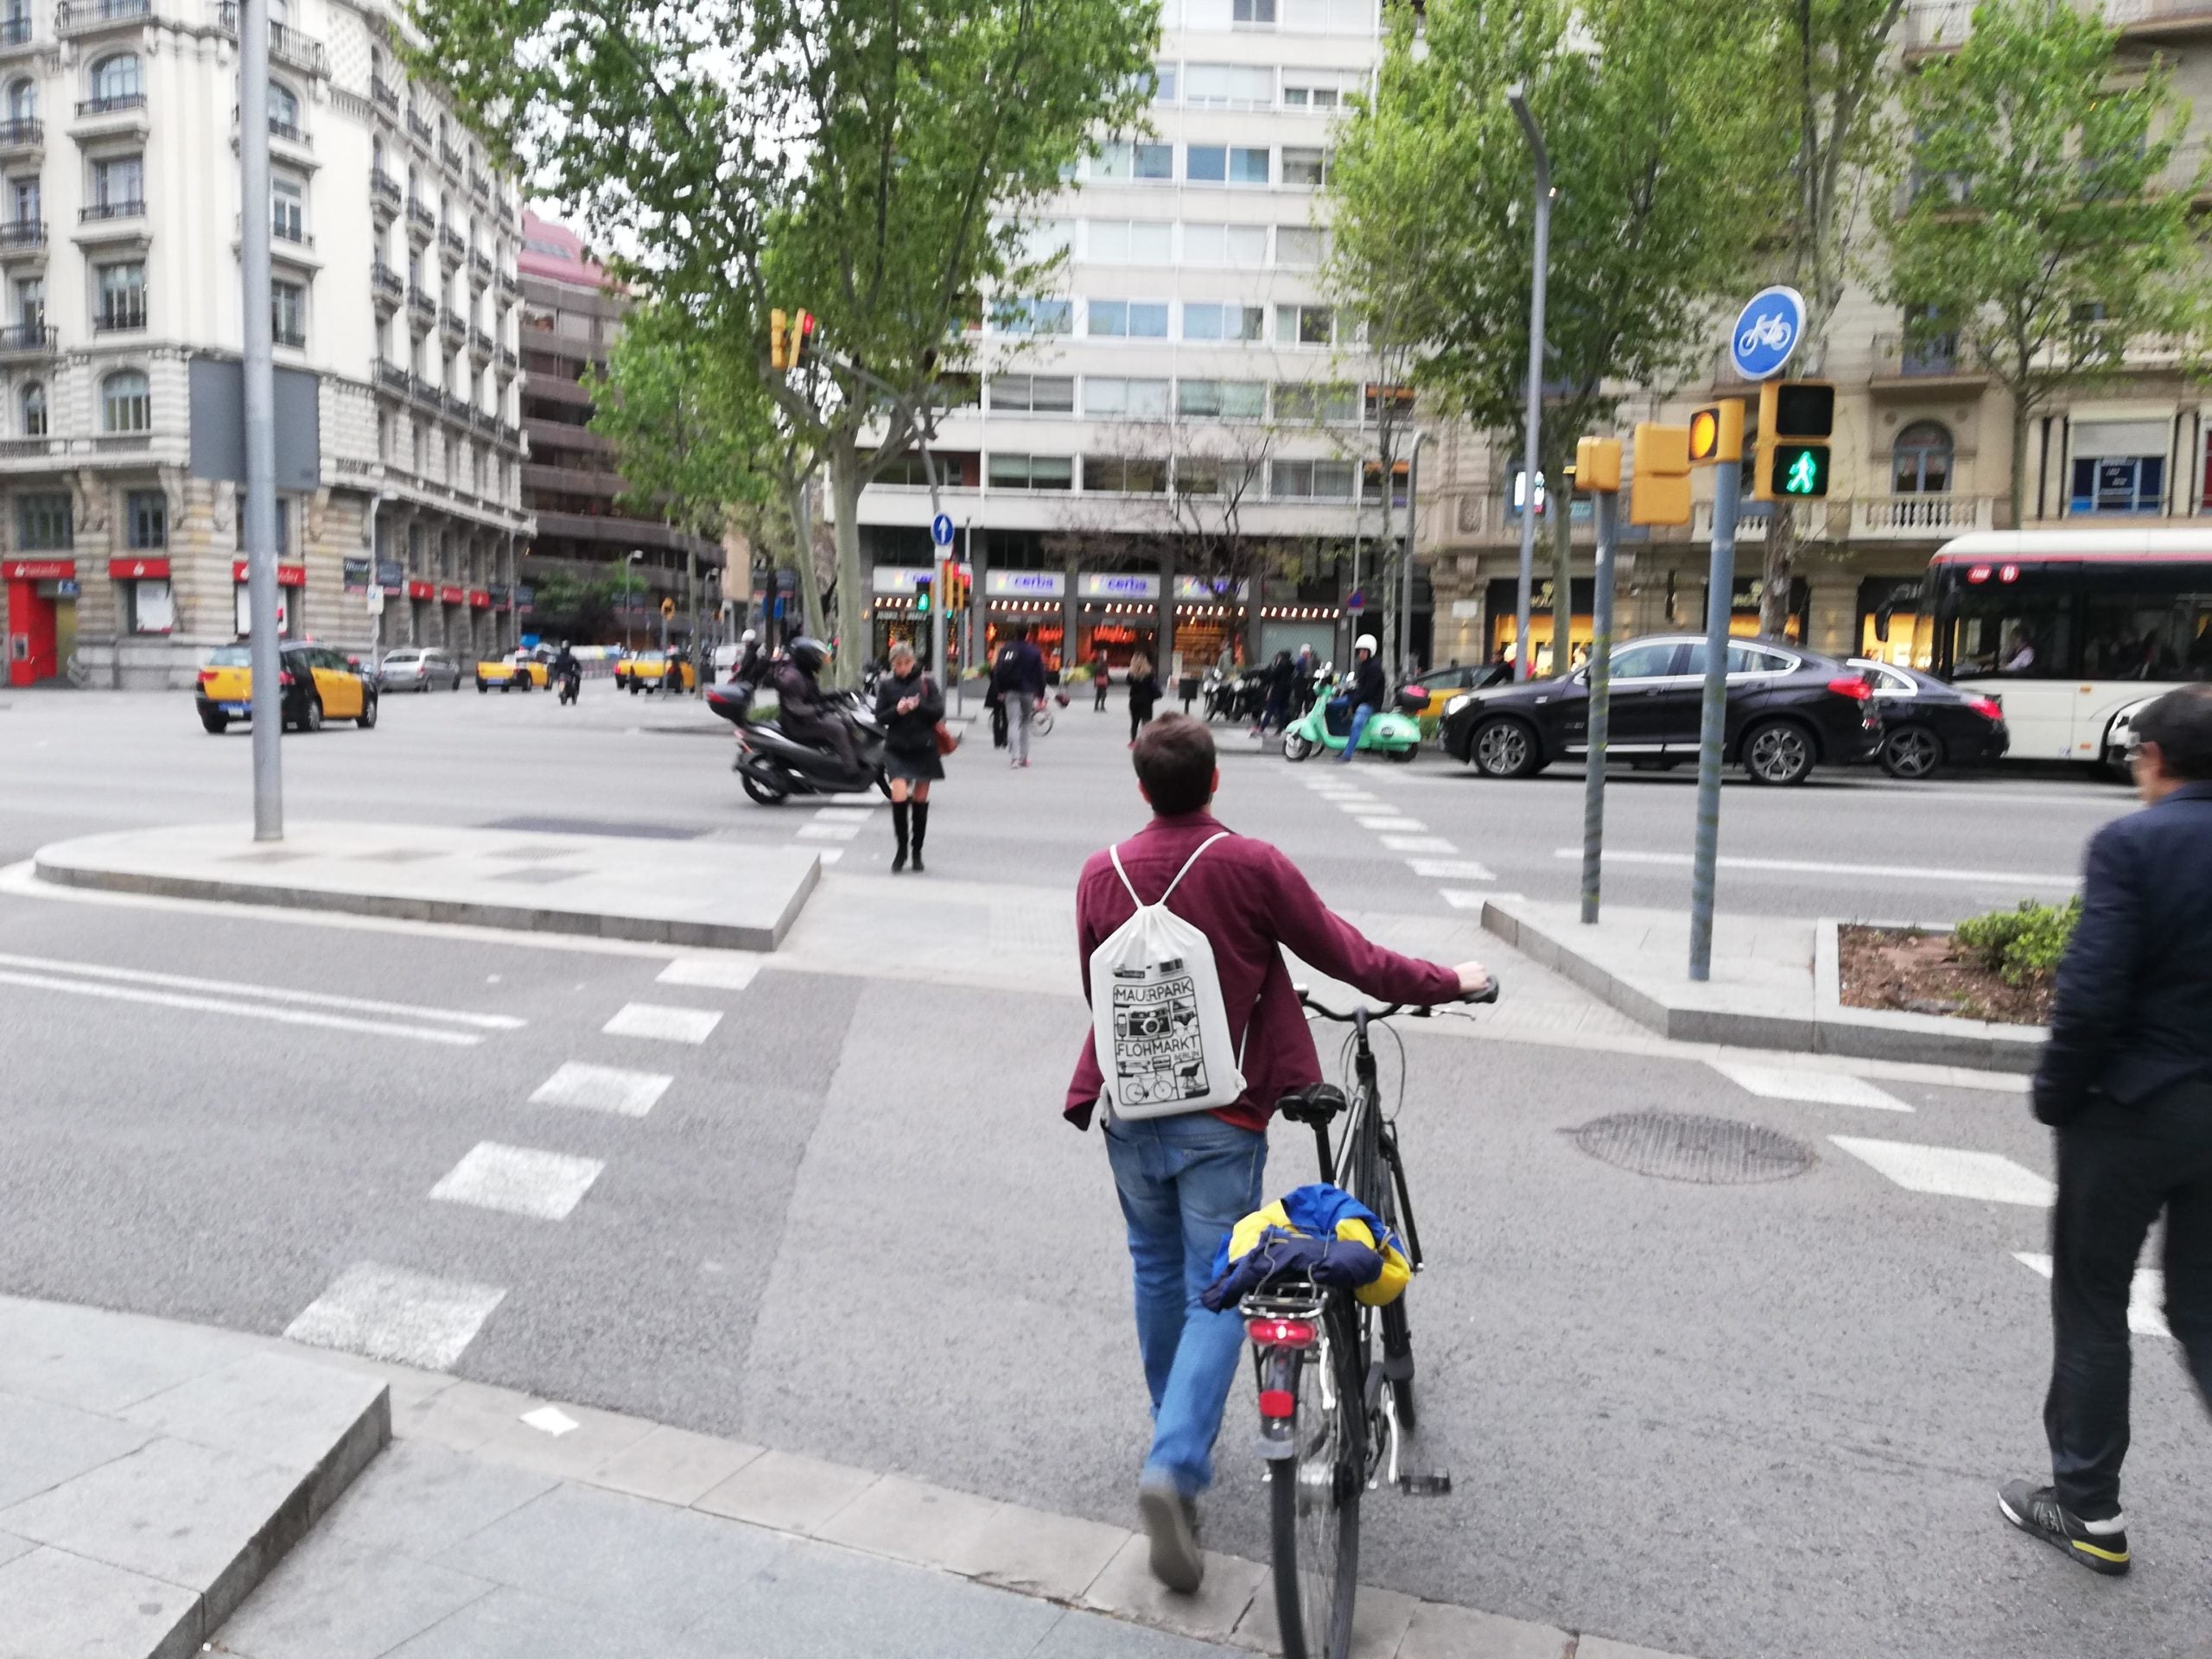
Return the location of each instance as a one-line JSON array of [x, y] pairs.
[[1923, 451], [1186, 399], [394, 309]]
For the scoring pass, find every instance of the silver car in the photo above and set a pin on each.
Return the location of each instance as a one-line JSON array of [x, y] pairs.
[[419, 668]]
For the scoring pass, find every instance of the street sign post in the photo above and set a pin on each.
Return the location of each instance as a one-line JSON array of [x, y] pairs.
[[941, 534], [1598, 474], [941, 530]]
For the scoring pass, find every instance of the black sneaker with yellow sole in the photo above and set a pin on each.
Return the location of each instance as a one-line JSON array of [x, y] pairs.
[[2036, 1510]]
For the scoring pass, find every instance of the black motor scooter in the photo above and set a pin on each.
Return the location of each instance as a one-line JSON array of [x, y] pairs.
[[572, 684], [774, 767]]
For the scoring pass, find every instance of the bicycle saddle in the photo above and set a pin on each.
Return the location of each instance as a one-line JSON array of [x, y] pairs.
[[1316, 1103]]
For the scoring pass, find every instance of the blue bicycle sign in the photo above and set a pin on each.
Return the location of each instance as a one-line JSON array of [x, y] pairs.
[[1767, 331]]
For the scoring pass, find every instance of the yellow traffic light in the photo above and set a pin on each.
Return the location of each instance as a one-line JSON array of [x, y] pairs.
[[1796, 418], [1598, 466], [1716, 433], [1660, 492], [780, 340]]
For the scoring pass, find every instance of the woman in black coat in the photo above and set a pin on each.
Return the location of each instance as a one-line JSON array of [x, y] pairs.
[[1144, 692], [908, 706]]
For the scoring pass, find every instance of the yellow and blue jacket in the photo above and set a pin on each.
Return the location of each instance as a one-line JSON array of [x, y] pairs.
[[1319, 1231]]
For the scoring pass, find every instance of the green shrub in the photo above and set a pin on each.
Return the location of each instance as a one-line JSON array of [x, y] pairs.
[[2021, 946]]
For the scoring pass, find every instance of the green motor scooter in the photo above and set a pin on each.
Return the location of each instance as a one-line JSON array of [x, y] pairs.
[[1393, 731]]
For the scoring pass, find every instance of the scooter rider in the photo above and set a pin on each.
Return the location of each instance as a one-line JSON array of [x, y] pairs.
[[567, 672], [806, 712], [1365, 694]]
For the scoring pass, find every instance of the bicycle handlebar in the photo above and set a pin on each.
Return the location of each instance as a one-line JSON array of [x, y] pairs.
[[1488, 993]]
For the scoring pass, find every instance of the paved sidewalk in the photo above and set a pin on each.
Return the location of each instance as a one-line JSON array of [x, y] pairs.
[[661, 892], [151, 1473]]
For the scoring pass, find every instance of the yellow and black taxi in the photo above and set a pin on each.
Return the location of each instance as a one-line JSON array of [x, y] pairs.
[[518, 670], [319, 684], [654, 671]]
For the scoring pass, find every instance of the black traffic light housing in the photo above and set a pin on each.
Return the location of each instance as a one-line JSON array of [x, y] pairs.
[[1796, 419]]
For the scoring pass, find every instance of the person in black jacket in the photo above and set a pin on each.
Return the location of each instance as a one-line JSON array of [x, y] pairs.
[[805, 710], [1144, 694], [1018, 677], [908, 706], [2126, 1081], [1364, 694]]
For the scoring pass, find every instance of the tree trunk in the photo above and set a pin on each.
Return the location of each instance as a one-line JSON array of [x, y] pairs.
[[1560, 508], [852, 636], [799, 559], [2019, 461], [1778, 563]]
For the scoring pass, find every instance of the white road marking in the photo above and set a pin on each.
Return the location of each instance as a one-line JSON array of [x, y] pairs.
[[828, 831], [1805, 867], [409, 1318], [1951, 1173], [1821, 1088], [602, 1089], [2147, 1295], [551, 1420], [843, 815], [1464, 898], [1402, 826], [1450, 869], [855, 797], [719, 973], [1418, 844], [241, 1010], [659, 1023], [270, 993], [1357, 804], [830, 854], [519, 1180]]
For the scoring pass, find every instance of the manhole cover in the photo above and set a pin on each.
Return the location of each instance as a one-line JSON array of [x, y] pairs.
[[1678, 1147]]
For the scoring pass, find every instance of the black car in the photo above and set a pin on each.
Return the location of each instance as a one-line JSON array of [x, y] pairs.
[[1927, 725], [1789, 711]]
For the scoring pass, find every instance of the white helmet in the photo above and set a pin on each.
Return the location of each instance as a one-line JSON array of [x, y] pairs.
[[1366, 643], [749, 637]]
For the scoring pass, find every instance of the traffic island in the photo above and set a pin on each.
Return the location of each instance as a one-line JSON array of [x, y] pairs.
[[697, 894], [1775, 983]]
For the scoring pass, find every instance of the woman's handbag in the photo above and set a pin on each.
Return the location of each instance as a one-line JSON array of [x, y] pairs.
[[947, 739]]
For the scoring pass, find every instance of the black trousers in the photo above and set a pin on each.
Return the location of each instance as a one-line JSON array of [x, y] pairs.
[[2118, 1167]]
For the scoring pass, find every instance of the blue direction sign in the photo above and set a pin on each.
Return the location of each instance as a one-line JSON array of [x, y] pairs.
[[941, 530], [1767, 333]]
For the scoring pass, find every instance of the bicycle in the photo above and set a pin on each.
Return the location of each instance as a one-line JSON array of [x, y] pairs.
[[1330, 1407]]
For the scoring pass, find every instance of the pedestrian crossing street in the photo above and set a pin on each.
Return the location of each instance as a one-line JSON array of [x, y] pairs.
[[413, 1318]]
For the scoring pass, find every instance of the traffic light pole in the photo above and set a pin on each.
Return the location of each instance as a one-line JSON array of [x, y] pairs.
[[259, 538], [1607, 503], [1523, 658], [1719, 606]]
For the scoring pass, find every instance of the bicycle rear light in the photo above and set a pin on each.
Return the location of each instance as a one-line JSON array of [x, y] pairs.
[[1278, 1402], [1281, 1334]]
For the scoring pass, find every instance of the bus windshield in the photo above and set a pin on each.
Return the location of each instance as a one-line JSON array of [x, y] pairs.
[[2096, 619]]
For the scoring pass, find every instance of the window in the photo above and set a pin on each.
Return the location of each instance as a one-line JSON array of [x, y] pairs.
[[1205, 163], [2158, 634], [1125, 475], [30, 302], [153, 605], [1130, 242], [2118, 484], [1250, 166], [287, 313], [145, 520], [1920, 460], [1305, 325], [1252, 14], [1032, 472], [23, 100], [23, 200], [1221, 400], [1311, 481], [126, 406], [1316, 89], [1137, 400], [1166, 83], [34, 410], [1316, 401], [288, 215], [119, 185], [1304, 169], [1644, 662], [1128, 319], [2022, 633], [1370, 482], [118, 79], [42, 522], [1033, 394], [1034, 316], [1228, 86], [1209, 322], [1120, 161], [283, 109], [1300, 247], [122, 296], [1242, 247]]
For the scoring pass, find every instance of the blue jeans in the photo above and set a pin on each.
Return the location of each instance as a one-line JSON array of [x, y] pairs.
[[1183, 1181], [1360, 716]]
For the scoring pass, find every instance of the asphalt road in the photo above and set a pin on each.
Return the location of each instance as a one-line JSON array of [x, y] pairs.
[[1716, 1419]]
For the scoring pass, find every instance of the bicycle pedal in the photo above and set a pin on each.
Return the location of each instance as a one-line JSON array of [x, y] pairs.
[[1437, 1484]]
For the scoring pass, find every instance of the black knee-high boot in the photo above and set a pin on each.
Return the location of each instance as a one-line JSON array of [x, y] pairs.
[[899, 828], [921, 831]]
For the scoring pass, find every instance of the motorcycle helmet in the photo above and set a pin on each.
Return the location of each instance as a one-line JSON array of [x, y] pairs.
[[1366, 643], [749, 637], [809, 653]]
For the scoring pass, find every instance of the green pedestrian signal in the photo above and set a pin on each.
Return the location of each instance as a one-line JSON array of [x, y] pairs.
[[921, 595], [1799, 470]]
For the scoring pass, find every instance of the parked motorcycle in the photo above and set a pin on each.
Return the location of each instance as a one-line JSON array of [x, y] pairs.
[[1393, 731], [1238, 697], [774, 767]]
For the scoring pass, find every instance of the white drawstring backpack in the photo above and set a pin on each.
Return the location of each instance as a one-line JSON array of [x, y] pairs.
[[1157, 1013]]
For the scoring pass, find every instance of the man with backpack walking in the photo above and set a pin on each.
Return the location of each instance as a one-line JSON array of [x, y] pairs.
[[1197, 1034]]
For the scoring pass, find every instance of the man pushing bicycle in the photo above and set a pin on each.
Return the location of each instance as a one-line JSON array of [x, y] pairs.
[[1198, 1032]]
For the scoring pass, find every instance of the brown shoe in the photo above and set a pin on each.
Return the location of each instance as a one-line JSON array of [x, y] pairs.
[[1167, 1513]]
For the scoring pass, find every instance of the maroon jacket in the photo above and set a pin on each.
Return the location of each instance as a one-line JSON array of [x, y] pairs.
[[1248, 899]]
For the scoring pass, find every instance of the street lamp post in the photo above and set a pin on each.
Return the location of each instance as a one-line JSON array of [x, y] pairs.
[[260, 400], [1405, 585], [1517, 96], [629, 638]]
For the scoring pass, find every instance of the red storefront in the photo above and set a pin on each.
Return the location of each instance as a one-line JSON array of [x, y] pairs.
[[41, 617]]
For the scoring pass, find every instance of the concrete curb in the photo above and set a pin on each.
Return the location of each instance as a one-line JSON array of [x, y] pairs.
[[1828, 1026]]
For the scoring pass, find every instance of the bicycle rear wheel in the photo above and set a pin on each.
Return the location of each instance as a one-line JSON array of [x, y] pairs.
[[1314, 1499]]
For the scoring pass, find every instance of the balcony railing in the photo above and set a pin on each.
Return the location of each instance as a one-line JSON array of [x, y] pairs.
[[28, 340], [480, 265], [1937, 28], [422, 391], [418, 124], [508, 361], [75, 17], [298, 236], [14, 31], [451, 156], [452, 241], [386, 192], [419, 217], [421, 303], [454, 325], [2152, 18], [392, 377], [1920, 517], [384, 93], [120, 318], [286, 43], [479, 182], [133, 208], [21, 133], [1896, 356], [387, 285], [297, 338], [115, 104], [481, 345], [20, 233], [510, 284]]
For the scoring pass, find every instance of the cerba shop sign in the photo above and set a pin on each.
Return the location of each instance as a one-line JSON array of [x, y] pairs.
[[1025, 584], [1117, 584]]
